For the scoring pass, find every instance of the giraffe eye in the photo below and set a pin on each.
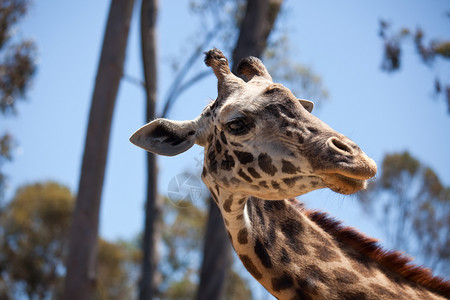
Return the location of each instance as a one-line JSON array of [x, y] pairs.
[[238, 126]]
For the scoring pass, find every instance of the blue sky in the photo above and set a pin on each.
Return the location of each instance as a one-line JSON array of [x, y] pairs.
[[381, 112]]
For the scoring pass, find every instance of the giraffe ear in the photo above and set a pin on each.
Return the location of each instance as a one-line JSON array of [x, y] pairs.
[[165, 137], [308, 105]]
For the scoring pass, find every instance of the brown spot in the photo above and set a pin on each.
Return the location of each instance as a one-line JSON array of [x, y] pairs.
[[244, 176], [269, 241], [255, 187], [313, 130], [291, 227], [227, 204], [225, 182], [239, 217], [352, 295], [287, 108], [285, 259], [234, 180], [265, 163], [345, 276], [212, 160], [324, 253], [210, 138], [290, 182], [237, 144], [248, 264], [283, 282], [272, 89], [316, 273], [275, 185], [218, 146], [271, 205], [243, 236], [223, 138], [228, 162], [288, 168], [242, 200], [362, 266], [263, 184], [292, 230], [253, 172], [301, 295], [244, 157], [262, 254], [260, 215]]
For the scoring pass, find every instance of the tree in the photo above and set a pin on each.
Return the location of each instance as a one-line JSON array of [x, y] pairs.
[[33, 245], [149, 10], [17, 68], [81, 262], [34, 226], [413, 206], [117, 263], [392, 59], [182, 233]]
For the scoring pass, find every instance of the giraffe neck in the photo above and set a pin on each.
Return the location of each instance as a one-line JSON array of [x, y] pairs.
[[295, 258]]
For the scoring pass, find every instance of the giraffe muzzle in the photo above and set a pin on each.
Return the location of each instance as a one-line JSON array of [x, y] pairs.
[[345, 168]]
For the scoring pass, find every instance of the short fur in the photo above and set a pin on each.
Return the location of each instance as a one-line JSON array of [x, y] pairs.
[[392, 260]]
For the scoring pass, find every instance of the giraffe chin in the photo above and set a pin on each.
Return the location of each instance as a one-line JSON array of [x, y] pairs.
[[343, 184]]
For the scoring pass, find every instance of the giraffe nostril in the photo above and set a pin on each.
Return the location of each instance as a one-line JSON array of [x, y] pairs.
[[339, 146]]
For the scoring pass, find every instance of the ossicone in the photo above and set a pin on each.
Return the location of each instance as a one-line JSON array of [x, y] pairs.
[[252, 66]]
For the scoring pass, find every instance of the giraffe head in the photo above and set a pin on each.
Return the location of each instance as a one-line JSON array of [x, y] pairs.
[[260, 139]]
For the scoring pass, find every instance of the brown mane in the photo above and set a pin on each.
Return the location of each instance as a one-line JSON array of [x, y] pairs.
[[392, 260]]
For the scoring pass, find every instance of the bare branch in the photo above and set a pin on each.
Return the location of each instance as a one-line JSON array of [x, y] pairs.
[[174, 89]]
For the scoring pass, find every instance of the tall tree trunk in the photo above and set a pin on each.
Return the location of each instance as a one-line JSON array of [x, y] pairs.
[[152, 230], [216, 257], [260, 16], [81, 261]]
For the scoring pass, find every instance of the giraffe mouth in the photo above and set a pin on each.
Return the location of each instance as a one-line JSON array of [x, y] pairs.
[[344, 184]]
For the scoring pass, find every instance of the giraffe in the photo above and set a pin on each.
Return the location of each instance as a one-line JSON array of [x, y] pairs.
[[263, 146]]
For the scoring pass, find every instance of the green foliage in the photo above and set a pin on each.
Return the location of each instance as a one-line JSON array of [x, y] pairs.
[[394, 165], [17, 59], [183, 233], [17, 67], [34, 228], [6, 146], [442, 49], [413, 207], [117, 262]]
